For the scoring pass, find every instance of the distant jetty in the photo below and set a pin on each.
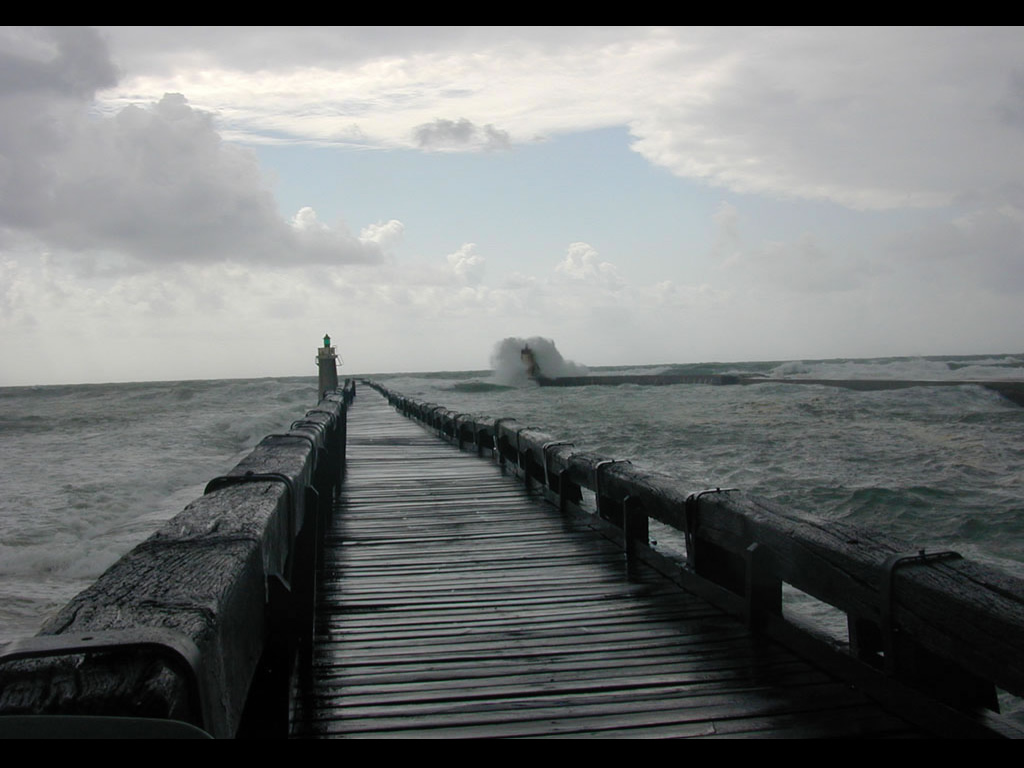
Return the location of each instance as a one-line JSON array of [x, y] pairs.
[[1011, 390], [644, 379]]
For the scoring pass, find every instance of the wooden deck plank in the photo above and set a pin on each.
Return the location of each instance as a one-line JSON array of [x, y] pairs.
[[454, 604]]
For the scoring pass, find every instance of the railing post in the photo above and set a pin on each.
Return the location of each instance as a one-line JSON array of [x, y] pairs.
[[762, 588], [606, 509], [635, 525], [267, 706]]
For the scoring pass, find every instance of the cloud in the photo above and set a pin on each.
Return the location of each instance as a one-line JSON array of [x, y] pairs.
[[312, 241], [981, 247], [459, 134], [1011, 107], [467, 264], [385, 234], [727, 238], [803, 265], [47, 79], [583, 263], [71, 61], [155, 183], [876, 118], [128, 211]]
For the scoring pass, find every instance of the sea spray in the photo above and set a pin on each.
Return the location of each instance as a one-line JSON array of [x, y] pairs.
[[510, 369]]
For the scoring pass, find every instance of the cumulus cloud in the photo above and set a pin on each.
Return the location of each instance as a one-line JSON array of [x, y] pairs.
[[467, 264], [583, 263], [156, 183], [385, 234], [459, 134], [314, 241]]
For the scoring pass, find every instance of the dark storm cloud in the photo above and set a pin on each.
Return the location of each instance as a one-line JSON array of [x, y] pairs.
[[77, 62], [156, 183], [460, 134]]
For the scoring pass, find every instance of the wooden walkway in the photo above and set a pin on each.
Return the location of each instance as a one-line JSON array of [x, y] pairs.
[[455, 604]]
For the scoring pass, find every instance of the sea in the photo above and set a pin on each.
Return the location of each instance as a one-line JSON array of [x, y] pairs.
[[89, 471]]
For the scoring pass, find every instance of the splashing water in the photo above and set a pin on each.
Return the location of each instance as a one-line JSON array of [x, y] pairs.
[[511, 369]]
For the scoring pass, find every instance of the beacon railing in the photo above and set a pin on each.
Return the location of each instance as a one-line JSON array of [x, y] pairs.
[[931, 629], [202, 622]]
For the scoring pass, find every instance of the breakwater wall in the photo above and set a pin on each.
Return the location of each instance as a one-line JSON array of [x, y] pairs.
[[197, 629], [931, 630], [657, 380], [1011, 390]]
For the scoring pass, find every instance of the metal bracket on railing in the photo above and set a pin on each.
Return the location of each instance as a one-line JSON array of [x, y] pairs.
[[307, 438], [597, 477], [497, 438], [432, 419], [476, 436], [317, 450], [334, 416], [690, 518], [224, 481], [319, 426], [635, 525], [695, 497], [181, 648], [519, 451], [454, 415], [544, 454], [889, 567]]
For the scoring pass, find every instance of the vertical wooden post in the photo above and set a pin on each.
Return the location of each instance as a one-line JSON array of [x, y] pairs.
[[635, 525], [762, 588]]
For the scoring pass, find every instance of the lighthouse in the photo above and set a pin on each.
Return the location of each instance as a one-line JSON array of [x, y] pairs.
[[327, 362]]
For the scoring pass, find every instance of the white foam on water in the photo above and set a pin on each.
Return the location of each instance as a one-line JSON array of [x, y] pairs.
[[511, 369]]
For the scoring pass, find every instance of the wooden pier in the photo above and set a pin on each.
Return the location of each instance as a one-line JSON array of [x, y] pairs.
[[455, 603], [449, 575]]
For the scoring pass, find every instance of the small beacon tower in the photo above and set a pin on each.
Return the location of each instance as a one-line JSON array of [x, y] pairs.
[[327, 362]]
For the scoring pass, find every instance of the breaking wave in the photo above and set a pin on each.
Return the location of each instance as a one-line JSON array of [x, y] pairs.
[[510, 369]]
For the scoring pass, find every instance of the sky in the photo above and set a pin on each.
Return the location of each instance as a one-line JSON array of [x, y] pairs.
[[206, 202]]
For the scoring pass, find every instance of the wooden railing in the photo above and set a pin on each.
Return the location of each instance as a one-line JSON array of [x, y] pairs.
[[932, 625], [201, 623]]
